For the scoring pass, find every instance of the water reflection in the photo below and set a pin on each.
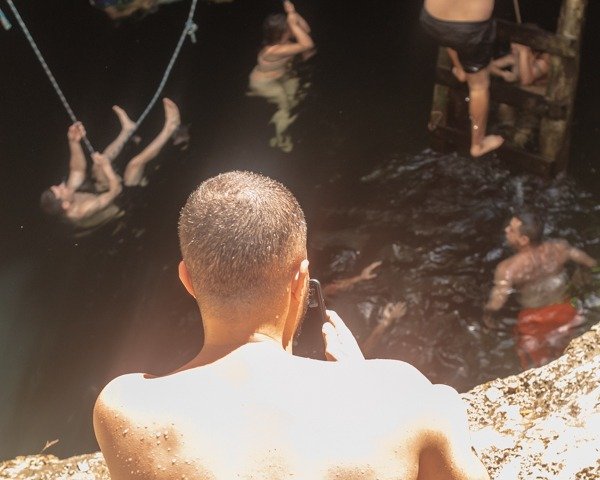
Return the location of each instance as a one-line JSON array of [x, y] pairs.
[[437, 223]]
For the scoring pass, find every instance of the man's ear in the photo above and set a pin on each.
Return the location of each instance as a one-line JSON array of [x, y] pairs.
[[185, 278], [299, 280], [297, 286]]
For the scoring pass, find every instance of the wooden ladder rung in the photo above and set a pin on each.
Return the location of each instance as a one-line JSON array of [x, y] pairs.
[[537, 39], [511, 154], [509, 93]]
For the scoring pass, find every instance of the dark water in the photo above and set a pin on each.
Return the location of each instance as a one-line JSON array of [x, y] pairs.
[[75, 312]]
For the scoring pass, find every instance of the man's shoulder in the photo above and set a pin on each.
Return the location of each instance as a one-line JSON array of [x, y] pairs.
[[556, 244], [392, 375], [124, 391], [505, 266]]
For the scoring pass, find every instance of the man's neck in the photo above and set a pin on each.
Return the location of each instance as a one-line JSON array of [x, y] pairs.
[[214, 349]]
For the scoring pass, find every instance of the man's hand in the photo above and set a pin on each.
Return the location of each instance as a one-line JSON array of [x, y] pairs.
[[288, 7], [76, 132], [100, 160], [392, 312], [367, 272], [340, 344]]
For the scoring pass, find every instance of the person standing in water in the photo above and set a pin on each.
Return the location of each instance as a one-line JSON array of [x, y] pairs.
[[284, 37], [537, 272], [467, 29]]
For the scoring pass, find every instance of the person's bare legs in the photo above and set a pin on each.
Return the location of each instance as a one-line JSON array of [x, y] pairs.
[[457, 68], [127, 126], [114, 148], [499, 66], [134, 172], [479, 103]]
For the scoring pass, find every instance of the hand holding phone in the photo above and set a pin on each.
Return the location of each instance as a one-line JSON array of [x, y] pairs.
[[340, 343]]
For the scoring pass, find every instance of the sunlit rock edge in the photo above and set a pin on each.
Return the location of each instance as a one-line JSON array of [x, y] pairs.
[[541, 424]]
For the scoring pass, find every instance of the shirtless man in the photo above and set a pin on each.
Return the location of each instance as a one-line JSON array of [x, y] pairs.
[[245, 406], [466, 28], [79, 207], [537, 272]]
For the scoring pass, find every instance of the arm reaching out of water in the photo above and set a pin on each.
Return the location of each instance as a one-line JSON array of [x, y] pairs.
[[346, 284], [390, 313]]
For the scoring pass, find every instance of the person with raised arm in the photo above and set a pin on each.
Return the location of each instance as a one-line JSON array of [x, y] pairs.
[[284, 38]]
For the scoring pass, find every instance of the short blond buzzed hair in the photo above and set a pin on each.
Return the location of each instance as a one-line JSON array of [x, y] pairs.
[[241, 235]]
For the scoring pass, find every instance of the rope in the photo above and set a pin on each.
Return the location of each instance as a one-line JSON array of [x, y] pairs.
[[5, 23], [47, 70], [517, 11], [189, 29]]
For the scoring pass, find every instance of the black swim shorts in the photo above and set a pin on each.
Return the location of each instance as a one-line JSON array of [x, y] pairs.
[[473, 41]]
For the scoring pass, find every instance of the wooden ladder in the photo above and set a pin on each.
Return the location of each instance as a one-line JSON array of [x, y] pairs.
[[551, 104]]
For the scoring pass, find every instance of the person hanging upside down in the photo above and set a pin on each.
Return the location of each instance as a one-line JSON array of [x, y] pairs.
[[466, 28], [89, 202], [285, 36]]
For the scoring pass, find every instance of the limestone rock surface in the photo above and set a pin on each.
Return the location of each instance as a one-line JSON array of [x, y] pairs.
[[542, 424]]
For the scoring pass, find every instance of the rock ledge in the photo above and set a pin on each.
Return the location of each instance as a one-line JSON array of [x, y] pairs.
[[542, 424]]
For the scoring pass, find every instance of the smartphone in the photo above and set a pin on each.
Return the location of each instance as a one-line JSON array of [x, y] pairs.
[[309, 342], [316, 302]]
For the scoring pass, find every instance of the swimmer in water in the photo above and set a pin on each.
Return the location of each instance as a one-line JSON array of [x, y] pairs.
[[466, 28], [89, 203], [537, 272], [118, 9], [285, 37]]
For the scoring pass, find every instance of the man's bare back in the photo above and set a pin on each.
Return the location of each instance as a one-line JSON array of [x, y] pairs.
[[460, 10], [243, 417], [245, 406]]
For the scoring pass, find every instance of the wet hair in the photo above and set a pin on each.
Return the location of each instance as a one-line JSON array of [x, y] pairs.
[[274, 27], [532, 225], [50, 203], [241, 236]]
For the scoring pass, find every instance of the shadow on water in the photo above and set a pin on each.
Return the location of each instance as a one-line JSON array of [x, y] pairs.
[[76, 312]]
